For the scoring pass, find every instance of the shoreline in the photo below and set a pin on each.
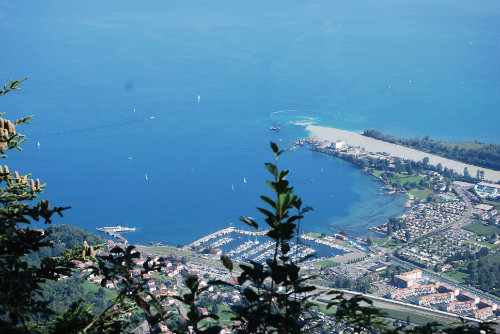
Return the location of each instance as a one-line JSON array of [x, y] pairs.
[[374, 145]]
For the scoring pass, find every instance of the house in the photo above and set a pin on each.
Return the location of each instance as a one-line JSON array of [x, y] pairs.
[[460, 306], [483, 313], [202, 311], [216, 251], [468, 296], [483, 303], [436, 298]]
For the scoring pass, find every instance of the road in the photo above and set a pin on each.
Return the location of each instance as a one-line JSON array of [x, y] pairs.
[[469, 213]]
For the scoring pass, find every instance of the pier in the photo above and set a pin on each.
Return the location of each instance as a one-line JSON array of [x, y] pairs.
[[113, 231]]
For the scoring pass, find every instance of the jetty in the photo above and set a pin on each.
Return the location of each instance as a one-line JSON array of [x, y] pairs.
[[114, 231]]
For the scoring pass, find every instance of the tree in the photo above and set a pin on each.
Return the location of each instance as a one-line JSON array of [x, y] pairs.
[[425, 162], [369, 241], [466, 173], [19, 281]]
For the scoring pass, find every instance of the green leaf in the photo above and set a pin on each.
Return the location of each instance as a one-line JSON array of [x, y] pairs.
[[271, 168], [283, 174], [250, 295], [274, 147], [285, 247], [268, 201], [250, 222], [226, 261]]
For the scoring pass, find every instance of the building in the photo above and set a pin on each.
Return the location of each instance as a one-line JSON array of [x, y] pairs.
[[484, 189], [468, 296], [414, 291], [483, 313], [408, 279], [461, 306], [378, 267], [483, 303], [341, 237], [436, 298], [448, 288], [338, 145]]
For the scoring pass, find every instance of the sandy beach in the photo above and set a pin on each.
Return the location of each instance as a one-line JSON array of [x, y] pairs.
[[374, 145]]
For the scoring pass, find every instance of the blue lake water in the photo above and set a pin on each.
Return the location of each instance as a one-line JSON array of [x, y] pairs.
[[410, 68]]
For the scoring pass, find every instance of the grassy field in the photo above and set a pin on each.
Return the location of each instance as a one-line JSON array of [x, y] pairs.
[[401, 180], [481, 229], [459, 273], [415, 318], [91, 287], [421, 193], [327, 264], [393, 243], [162, 250]]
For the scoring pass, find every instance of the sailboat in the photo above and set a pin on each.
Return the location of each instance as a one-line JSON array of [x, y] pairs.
[[147, 177], [244, 181]]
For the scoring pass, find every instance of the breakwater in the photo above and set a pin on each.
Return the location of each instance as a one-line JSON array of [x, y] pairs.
[[224, 232]]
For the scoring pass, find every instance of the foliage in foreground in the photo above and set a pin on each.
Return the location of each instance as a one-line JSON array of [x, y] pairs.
[[276, 297]]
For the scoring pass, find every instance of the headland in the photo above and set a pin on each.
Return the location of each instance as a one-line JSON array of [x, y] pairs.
[[374, 145]]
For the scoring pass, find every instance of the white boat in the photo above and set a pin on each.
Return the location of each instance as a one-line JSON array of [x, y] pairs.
[[199, 97], [244, 181], [147, 177], [151, 117], [134, 109], [38, 144], [118, 228], [232, 186]]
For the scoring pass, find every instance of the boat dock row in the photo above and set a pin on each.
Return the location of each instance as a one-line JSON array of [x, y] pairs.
[[224, 232]]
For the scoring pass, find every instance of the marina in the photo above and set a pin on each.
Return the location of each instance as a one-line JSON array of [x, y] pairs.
[[242, 245]]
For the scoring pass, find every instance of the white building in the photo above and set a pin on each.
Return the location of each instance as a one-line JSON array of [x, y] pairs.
[[338, 145]]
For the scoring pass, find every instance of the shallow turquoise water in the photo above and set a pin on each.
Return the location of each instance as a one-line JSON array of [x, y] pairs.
[[330, 62]]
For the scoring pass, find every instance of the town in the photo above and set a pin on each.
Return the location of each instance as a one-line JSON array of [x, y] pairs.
[[419, 264]]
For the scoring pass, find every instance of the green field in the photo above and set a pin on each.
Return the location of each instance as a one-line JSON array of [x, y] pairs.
[[162, 250], [481, 229], [458, 274], [327, 264], [421, 193], [415, 318], [94, 288], [390, 244]]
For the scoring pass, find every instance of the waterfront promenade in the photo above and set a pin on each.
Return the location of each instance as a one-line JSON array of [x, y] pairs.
[[375, 145]]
